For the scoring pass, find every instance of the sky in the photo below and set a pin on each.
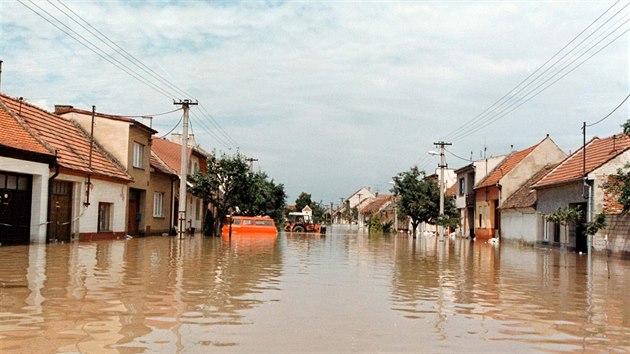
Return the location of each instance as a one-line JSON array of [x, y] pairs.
[[332, 96]]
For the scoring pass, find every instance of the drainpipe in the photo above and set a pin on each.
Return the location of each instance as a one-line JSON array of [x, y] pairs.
[[50, 183]]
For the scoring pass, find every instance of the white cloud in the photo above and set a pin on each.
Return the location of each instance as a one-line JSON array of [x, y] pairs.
[[358, 90]]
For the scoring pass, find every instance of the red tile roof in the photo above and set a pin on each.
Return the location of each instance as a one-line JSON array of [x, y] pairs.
[[451, 191], [504, 167], [525, 197], [70, 141], [598, 152], [374, 206], [160, 166], [171, 153], [15, 134]]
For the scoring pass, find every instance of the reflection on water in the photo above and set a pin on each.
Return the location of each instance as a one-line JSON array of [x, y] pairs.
[[345, 291]]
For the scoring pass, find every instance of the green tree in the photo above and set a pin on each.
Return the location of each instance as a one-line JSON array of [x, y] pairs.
[[305, 199], [233, 189], [418, 197], [374, 224], [626, 127], [565, 217]]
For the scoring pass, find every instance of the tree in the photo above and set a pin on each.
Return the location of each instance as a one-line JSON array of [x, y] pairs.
[[626, 127], [303, 200], [418, 197], [233, 189], [565, 217], [374, 224]]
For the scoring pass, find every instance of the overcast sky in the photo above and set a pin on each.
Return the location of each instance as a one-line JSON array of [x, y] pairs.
[[334, 96]]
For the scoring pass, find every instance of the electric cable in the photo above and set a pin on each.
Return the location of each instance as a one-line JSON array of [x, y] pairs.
[[609, 114]]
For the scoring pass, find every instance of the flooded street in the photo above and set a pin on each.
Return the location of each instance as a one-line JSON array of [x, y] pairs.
[[346, 292]]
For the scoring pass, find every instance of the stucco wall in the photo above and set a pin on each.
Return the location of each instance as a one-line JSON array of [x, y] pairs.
[[520, 225], [550, 199], [113, 135], [159, 183], [546, 153], [39, 199], [85, 219], [600, 176]]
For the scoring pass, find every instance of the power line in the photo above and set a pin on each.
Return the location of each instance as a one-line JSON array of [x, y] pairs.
[[146, 75], [609, 114], [150, 115], [511, 94]]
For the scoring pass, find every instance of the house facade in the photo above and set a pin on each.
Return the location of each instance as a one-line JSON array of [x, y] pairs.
[[25, 165], [129, 141], [87, 189], [577, 183], [467, 177], [505, 179], [169, 152]]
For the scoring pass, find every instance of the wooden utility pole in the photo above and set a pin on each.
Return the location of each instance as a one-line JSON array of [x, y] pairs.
[[183, 169]]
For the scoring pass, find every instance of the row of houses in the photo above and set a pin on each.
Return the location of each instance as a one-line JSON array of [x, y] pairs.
[[509, 197], [77, 174]]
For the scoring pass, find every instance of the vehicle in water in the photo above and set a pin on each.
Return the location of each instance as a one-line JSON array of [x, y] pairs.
[[237, 225], [302, 222]]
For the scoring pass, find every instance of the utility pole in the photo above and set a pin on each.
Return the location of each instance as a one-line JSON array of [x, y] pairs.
[[251, 163], [442, 166], [184, 165]]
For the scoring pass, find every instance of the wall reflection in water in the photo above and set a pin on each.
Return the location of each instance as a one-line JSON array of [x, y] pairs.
[[152, 294]]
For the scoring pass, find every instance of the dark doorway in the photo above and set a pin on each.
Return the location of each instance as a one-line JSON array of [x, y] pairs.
[[581, 244], [59, 228], [134, 216], [15, 208]]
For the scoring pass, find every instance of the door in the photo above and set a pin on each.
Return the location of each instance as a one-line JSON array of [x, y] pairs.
[[59, 228], [581, 244], [133, 212], [15, 208]]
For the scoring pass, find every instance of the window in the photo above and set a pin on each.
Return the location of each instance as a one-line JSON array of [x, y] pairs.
[[198, 210], [462, 186], [138, 155], [158, 204], [105, 217]]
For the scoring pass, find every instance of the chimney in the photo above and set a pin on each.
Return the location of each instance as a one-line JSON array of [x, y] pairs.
[[62, 108]]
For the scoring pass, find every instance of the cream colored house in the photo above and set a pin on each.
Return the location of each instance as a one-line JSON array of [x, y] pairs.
[[129, 141]]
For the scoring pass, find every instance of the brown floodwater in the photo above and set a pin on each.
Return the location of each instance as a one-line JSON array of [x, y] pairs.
[[345, 292]]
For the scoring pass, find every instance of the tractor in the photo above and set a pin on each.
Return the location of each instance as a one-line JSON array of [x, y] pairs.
[[302, 222]]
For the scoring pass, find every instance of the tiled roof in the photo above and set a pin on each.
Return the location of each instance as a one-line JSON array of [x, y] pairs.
[[451, 191], [376, 205], [160, 166], [504, 167], [169, 152], [68, 139], [525, 197], [16, 135], [598, 152]]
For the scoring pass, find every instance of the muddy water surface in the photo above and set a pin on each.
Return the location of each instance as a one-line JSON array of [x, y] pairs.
[[346, 292]]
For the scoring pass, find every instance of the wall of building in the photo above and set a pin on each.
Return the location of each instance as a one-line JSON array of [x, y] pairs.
[[520, 225], [111, 134], [550, 199], [158, 225], [546, 153], [39, 201], [85, 219]]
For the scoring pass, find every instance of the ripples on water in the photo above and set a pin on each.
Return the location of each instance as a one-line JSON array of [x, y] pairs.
[[345, 292]]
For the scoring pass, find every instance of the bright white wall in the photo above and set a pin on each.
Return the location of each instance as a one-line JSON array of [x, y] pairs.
[[39, 201]]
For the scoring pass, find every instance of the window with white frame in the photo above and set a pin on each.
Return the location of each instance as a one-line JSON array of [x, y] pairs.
[[105, 217], [158, 204], [138, 155]]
